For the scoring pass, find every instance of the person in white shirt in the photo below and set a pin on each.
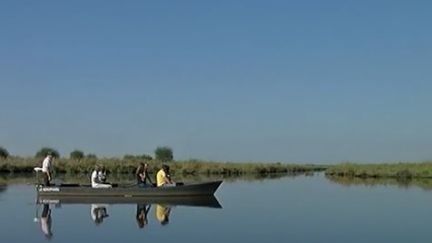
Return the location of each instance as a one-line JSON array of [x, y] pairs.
[[95, 182], [47, 168], [102, 176]]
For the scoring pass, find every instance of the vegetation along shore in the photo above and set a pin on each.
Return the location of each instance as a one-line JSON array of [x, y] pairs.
[[388, 170], [80, 163], [129, 165]]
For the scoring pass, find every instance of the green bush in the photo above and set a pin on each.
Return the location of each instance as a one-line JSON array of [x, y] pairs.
[[3, 153], [77, 155], [164, 154], [45, 151]]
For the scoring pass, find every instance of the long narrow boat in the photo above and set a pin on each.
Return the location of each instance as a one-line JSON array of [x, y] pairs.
[[75, 190]]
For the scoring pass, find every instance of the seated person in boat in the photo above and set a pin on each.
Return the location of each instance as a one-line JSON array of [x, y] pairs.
[[142, 176], [102, 174], [95, 181], [163, 177]]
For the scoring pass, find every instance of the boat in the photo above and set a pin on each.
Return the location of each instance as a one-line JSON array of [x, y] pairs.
[[193, 201], [180, 190]]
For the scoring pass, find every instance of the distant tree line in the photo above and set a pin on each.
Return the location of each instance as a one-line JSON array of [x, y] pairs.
[[163, 153]]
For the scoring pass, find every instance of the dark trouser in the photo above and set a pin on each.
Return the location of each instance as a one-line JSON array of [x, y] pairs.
[[142, 184], [45, 179]]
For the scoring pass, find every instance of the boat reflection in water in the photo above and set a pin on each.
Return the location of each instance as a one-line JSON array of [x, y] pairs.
[[209, 201], [99, 207]]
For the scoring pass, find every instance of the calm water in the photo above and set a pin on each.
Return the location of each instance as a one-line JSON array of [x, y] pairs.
[[288, 209]]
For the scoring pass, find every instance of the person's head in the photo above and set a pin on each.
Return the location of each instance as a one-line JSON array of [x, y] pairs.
[[165, 168], [50, 155], [97, 167]]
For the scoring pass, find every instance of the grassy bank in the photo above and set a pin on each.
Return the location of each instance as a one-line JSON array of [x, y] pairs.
[[189, 167], [397, 170]]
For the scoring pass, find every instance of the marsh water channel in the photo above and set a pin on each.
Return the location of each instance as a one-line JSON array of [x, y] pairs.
[[301, 208]]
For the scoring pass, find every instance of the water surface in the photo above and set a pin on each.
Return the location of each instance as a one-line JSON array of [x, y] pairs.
[[287, 209]]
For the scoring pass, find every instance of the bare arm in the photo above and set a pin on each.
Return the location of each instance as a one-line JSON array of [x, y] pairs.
[[140, 174], [168, 179]]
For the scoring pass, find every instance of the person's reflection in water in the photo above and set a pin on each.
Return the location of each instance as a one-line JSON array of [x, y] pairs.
[[141, 214], [162, 214], [46, 222], [98, 213]]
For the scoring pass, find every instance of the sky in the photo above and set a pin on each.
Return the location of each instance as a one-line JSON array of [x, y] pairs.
[[270, 81]]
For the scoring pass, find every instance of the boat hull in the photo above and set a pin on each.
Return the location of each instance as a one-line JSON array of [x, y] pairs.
[[198, 189]]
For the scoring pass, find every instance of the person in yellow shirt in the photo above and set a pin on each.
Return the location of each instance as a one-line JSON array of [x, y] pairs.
[[163, 177]]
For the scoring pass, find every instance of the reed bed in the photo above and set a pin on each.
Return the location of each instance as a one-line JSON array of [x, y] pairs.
[[394, 170]]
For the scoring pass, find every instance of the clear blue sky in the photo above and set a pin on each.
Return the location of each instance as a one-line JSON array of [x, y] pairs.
[[291, 81]]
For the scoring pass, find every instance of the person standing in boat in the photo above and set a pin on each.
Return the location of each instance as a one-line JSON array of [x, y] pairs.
[[47, 169], [95, 182], [163, 177], [142, 175]]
